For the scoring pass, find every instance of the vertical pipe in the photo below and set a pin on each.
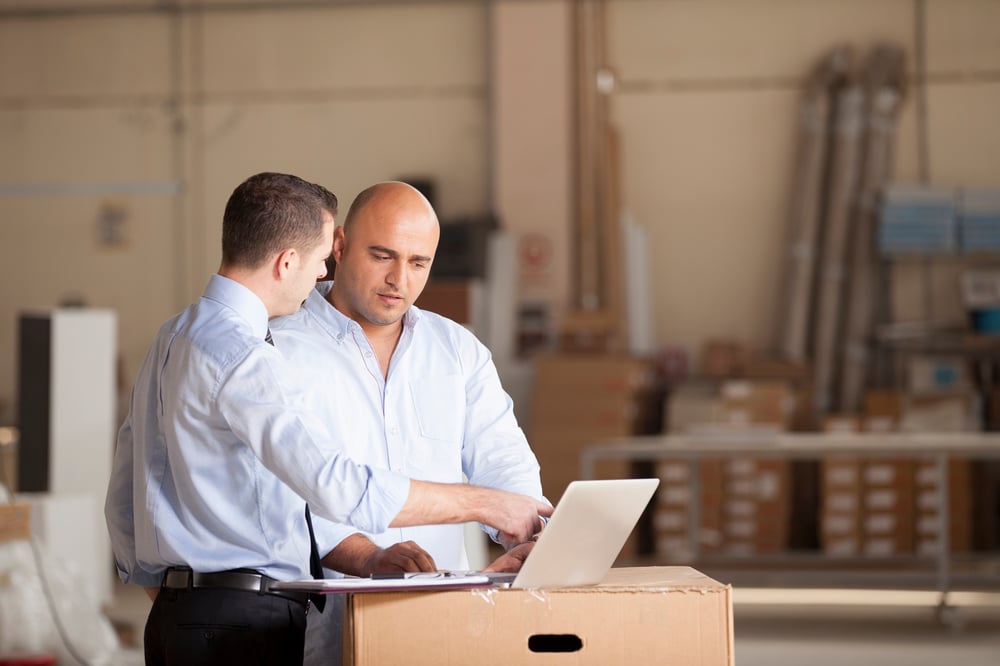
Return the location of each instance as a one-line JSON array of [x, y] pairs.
[[181, 257], [920, 72], [490, 102]]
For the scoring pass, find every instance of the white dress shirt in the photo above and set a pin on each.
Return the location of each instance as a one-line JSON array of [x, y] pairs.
[[441, 411], [219, 453]]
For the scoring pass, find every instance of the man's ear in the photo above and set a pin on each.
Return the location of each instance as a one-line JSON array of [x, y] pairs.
[[285, 261], [339, 243]]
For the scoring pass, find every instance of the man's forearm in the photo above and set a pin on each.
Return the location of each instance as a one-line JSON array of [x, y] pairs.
[[441, 503], [516, 517], [351, 556]]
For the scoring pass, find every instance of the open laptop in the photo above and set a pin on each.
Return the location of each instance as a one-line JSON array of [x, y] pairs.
[[579, 544], [586, 532]]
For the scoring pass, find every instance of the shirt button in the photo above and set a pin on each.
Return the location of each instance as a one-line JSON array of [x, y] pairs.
[[368, 354]]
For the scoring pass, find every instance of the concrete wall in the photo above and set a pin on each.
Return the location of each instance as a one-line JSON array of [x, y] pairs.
[[707, 105], [104, 112], [104, 108]]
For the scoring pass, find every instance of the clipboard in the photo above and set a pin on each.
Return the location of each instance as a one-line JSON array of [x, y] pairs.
[[410, 582]]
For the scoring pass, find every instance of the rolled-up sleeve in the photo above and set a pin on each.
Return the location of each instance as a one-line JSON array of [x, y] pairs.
[[264, 409]]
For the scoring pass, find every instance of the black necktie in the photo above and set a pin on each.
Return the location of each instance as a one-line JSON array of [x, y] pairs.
[[315, 566]]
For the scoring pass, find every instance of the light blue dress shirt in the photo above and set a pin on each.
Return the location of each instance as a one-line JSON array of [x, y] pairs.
[[220, 452], [441, 411]]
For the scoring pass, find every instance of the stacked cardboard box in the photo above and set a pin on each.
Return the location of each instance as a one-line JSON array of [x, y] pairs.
[[581, 399], [840, 495], [743, 503], [755, 493], [769, 403], [887, 504], [882, 507], [840, 521], [755, 506], [651, 615], [867, 503], [929, 505], [951, 410], [672, 512]]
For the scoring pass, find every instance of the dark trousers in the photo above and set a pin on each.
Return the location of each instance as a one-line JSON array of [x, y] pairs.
[[218, 627]]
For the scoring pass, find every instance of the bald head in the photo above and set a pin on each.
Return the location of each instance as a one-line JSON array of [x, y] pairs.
[[383, 254], [386, 200]]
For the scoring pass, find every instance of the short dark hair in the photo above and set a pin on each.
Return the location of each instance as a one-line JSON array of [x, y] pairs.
[[270, 212]]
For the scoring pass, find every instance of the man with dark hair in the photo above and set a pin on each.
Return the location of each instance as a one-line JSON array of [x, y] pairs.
[[218, 464]]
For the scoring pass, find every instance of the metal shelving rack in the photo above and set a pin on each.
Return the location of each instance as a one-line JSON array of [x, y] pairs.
[[811, 446]]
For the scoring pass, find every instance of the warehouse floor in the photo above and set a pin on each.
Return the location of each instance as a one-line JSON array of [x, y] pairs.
[[780, 627], [774, 627]]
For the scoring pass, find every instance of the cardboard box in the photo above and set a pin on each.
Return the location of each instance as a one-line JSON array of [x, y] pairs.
[[627, 413], [723, 358], [749, 402], [766, 367], [883, 403], [841, 505], [936, 374], [672, 512], [558, 452], [649, 615], [598, 373], [15, 522], [954, 412], [454, 299], [691, 405], [928, 506]]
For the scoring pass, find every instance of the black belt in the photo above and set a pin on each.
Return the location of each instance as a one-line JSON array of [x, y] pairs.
[[182, 578]]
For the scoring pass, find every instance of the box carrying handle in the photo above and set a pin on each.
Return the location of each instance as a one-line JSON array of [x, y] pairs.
[[555, 643]]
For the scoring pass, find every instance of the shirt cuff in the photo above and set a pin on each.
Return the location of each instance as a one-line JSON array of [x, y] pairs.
[[386, 494]]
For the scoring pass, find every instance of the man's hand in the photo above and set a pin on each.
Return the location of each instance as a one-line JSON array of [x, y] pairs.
[[517, 518], [511, 561], [357, 555], [406, 556]]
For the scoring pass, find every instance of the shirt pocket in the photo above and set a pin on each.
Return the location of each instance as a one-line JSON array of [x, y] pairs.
[[439, 407]]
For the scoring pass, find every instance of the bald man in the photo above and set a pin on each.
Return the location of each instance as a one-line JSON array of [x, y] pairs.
[[410, 391]]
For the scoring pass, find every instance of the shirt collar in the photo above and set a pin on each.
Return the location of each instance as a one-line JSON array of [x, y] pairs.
[[242, 300]]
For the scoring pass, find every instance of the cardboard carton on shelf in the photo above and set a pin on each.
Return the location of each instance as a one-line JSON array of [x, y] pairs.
[[927, 505], [649, 615], [957, 411], [692, 404], [758, 402], [883, 403]]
